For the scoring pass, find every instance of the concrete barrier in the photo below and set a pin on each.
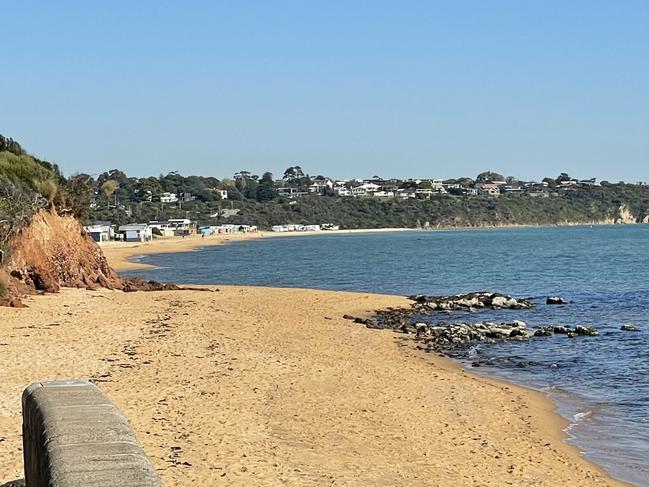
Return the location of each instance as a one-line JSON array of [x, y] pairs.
[[73, 436]]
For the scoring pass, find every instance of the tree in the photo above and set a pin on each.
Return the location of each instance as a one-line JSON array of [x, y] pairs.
[[266, 188], [293, 172], [78, 192], [108, 188], [550, 182], [465, 182], [511, 180], [247, 183], [489, 176], [116, 175], [10, 145]]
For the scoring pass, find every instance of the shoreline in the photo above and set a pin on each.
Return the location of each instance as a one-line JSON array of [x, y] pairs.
[[120, 254], [274, 384], [561, 423]]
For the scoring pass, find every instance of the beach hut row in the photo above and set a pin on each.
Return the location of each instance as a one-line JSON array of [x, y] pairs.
[[304, 228], [229, 228]]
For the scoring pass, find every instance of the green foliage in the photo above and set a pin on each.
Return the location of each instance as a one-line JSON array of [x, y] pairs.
[[583, 206], [49, 188], [489, 176], [10, 145], [28, 184], [77, 193], [109, 187], [266, 188], [24, 170]]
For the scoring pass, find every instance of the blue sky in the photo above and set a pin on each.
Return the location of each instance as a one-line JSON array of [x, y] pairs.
[[346, 89]]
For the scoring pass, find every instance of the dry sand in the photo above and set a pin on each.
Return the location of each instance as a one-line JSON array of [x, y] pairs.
[[269, 387]]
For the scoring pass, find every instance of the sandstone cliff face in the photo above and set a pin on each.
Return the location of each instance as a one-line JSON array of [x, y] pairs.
[[624, 215], [54, 252]]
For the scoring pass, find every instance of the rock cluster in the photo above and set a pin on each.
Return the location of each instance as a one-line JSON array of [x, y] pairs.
[[452, 338], [442, 337], [555, 300], [470, 301], [579, 330]]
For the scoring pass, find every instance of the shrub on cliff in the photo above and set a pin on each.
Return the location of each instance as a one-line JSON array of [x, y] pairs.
[[28, 184], [24, 170]]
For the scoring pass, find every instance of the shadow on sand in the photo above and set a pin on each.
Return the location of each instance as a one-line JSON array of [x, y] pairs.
[[15, 483]]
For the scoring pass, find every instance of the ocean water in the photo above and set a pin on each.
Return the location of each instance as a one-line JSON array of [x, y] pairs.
[[600, 384]]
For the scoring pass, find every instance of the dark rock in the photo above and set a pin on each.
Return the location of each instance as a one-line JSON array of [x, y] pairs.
[[555, 300], [516, 333], [590, 331], [629, 327], [373, 325], [134, 284], [544, 331], [562, 329]]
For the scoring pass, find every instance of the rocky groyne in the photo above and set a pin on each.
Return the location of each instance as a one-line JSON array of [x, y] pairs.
[[454, 338]]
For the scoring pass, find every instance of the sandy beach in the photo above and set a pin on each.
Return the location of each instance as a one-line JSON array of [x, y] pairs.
[[256, 386]]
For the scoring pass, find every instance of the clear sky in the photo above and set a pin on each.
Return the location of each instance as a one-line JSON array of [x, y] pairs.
[[343, 88]]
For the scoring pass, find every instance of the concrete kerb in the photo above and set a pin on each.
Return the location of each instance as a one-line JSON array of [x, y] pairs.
[[74, 436]]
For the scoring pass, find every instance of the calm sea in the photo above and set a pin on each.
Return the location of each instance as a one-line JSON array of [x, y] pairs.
[[600, 384]]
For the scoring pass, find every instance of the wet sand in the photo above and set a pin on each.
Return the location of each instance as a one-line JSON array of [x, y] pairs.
[[257, 386]]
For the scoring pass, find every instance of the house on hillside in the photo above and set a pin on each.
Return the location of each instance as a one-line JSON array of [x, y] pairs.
[[288, 192], [383, 194], [136, 232], [168, 198], [320, 185], [370, 187], [404, 194], [488, 188]]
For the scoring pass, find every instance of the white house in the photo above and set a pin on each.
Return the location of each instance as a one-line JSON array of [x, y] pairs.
[[168, 198], [161, 228], [321, 185], [181, 226], [136, 232], [288, 191], [100, 232], [342, 191], [223, 194], [404, 194], [371, 187]]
